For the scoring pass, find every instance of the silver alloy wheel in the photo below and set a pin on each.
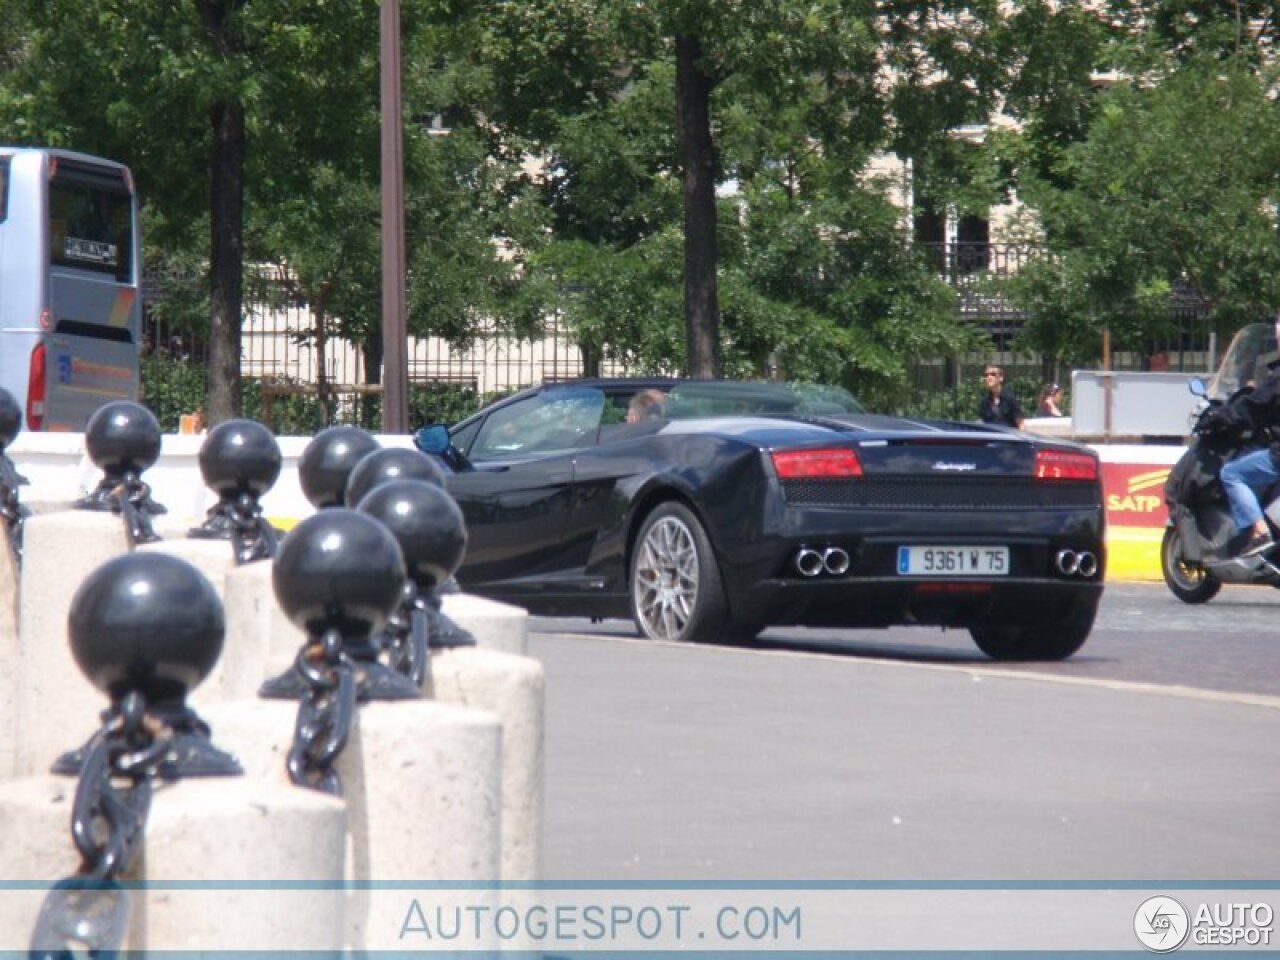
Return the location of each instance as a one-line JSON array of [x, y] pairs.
[[665, 581]]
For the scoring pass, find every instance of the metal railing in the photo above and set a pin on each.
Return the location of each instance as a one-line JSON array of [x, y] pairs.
[[281, 348]]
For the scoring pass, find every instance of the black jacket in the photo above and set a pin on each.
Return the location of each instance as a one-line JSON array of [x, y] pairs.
[[1258, 410], [1003, 409]]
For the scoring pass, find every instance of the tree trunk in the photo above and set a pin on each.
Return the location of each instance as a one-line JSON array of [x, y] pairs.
[[322, 364], [697, 157], [226, 262], [226, 227]]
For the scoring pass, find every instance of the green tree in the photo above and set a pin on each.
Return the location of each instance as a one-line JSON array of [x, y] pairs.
[[266, 114], [644, 112], [1175, 189]]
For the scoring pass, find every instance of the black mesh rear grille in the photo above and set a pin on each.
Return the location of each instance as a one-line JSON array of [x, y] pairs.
[[930, 493]]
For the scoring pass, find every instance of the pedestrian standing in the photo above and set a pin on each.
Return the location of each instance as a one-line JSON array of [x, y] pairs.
[[998, 405]]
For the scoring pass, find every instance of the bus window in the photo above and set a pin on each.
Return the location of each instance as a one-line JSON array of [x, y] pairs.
[[90, 227]]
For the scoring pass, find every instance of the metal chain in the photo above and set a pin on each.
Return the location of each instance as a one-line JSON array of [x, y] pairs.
[[12, 512], [90, 911], [131, 498], [325, 715], [252, 537], [406, 639]]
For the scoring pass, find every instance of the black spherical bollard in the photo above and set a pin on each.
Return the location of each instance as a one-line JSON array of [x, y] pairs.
[[391, 463], [10, 419], [123, 439], [338, 575], [426, 522], [431, 531], [327, 462], [148, 622], [239, 457], [150, 625], [240, 461]]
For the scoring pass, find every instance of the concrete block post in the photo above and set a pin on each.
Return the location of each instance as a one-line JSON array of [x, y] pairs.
[[514, 689], [221, 842], [257, 626], [496, 626], [431, 532], [59, 551], [8, 655], [422, 782], [261, 640]]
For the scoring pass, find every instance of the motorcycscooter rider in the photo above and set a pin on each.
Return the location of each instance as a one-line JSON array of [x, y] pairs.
[[1247, 477]]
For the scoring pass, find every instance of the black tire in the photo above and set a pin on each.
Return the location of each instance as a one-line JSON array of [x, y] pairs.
[[676, 590], [1050, 641], [1189, 582]]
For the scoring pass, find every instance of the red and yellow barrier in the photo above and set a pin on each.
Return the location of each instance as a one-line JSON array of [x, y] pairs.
[[1133, 489]]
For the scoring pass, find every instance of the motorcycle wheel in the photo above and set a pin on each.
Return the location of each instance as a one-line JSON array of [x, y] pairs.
[[1189, 582]]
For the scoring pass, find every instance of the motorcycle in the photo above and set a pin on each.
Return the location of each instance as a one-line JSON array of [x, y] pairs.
[[1197, 554]]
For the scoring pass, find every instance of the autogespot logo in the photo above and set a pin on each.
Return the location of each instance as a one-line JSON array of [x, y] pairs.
[[1161, 924]]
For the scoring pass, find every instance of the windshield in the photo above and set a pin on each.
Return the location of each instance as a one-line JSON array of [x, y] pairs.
[[722, 397], [1245, 361]]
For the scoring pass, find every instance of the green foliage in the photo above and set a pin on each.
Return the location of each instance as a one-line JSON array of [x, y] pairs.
[[170, 388], [1175, 188], [428, 403], [543, 174], [287, 414]]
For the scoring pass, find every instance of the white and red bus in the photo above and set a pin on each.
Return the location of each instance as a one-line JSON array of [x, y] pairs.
[[70, 297]]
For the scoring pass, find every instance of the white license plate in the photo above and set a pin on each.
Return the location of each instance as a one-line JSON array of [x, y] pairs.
[[953, 561]]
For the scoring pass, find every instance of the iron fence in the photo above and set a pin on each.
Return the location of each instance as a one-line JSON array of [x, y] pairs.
[[282, 349]]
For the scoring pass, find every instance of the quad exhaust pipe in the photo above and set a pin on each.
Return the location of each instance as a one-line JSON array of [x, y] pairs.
[[1073, 563], [813, 561]]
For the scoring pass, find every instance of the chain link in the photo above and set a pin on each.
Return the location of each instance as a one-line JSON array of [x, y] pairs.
[[90, 911], [406, 638], [252, 537], [131, 498], [12, 512], [325, 715]]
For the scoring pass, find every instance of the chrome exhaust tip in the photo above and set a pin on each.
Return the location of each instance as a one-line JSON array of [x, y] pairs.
[[835, 561], [1086, 564], [1067, 561], [808, 562]]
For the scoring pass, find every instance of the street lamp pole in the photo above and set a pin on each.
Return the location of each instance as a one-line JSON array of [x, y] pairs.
[[395, 361]]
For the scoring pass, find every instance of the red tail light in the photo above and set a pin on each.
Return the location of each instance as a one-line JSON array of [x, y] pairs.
[[807, 464], [36, 384], [1060, 465]]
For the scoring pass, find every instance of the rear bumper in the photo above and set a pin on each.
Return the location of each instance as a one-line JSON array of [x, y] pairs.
[[885, 602], [768, 586]]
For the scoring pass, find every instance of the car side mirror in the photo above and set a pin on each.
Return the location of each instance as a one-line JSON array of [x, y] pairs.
[[434, 440], [1197, 387]]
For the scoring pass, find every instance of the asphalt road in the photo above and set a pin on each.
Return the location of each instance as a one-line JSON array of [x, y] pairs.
[[905, 755]]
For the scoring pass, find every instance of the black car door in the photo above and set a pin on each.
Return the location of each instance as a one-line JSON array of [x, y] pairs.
[[517, 498]]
